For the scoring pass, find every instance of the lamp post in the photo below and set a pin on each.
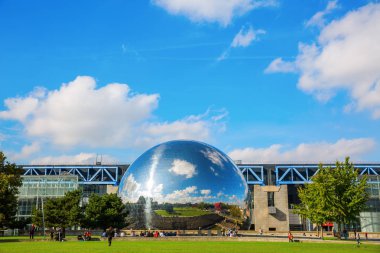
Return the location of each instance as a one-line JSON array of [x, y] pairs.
[[43, 216]]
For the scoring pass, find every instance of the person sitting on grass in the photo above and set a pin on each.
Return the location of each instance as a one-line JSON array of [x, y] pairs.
[[87, 235]]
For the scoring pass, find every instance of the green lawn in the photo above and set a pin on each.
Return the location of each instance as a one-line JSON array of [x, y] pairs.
[[183, 212], [157, 246]]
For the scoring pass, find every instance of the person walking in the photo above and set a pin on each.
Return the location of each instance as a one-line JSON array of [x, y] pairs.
[[357, 240], [110, 233], [31, 231]]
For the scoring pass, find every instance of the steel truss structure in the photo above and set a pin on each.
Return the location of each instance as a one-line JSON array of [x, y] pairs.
[[253, 174], [86, 174], [301, 174]]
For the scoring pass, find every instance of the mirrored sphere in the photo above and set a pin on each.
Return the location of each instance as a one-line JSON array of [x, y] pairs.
[[185, 185]]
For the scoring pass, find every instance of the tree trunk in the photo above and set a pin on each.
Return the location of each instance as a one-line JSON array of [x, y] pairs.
[[339, 231]]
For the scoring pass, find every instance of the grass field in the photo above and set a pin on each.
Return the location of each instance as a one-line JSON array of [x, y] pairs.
[[181, 246], [183, 212]]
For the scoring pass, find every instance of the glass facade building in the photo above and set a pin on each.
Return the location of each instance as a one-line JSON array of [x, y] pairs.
[[370, 218], [36, 187]]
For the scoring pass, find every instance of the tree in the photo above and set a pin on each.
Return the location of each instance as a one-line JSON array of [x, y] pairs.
[[235, 211], [169, 208], [20, 223], [61, 212], [335, 194], [348, 193], [314, 199], [10, 181], [71, 205], [104, 211], [37, 217]]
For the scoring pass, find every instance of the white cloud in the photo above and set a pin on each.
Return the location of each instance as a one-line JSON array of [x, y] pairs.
[[181, 194], [26, 151], [346, 56], [187, 195], [206, 192], [193, 127], [19, 108], [245, 37], [212, 10], [224, 55], [306, 152], [158, 188], [319, 18], [183, 168], [131, 190], [80, 114], [214, 156], [81, 158], [179, 129], [278, 65]]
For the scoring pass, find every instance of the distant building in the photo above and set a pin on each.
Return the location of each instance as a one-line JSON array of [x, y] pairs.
[[273, 188]]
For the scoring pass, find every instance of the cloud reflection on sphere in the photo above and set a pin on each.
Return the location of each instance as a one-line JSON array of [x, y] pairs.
[[184, 185]]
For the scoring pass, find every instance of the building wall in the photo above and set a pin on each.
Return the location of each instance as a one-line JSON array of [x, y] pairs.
[[112, 189], [278, 220]]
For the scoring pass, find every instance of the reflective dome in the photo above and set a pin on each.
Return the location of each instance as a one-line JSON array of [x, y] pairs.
[[184, 185]]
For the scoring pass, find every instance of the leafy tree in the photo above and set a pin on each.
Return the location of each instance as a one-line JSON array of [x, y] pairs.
[[204, 206], [235, 211], [20, 223], [10, 181], [169, 208], [348, 193], [314, 199], [37, 217], [73, 210], [104, 211], [61, 212], [335, 194]]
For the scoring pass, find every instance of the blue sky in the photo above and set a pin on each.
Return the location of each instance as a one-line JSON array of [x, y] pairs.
[[264, 81]]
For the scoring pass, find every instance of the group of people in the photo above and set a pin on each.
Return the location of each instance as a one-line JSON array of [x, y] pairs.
[[57, 234], [85, 237], [231, 232], [155, 234]]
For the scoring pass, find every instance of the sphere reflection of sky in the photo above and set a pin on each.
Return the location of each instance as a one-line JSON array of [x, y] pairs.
[[184, 172]]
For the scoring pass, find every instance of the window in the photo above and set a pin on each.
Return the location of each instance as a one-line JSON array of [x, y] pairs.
[[270, 198]]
